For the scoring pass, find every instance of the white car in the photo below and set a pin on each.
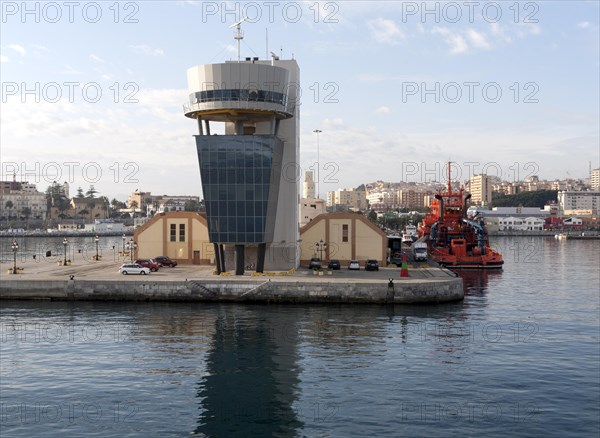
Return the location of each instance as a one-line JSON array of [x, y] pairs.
[[133, 268], [354, 265]]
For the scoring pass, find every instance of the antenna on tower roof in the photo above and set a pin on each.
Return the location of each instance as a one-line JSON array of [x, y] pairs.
[[239, 35]]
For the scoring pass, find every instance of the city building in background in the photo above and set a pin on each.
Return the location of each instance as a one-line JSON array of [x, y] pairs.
[[579, 202], [148, 204], [480, 187], [595, 179], [348, 199], [21, 200]]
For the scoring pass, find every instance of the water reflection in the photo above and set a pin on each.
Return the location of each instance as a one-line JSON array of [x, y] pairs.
[[475, 282], [251, 380]]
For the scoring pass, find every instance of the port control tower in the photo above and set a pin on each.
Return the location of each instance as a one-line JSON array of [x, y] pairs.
[[250, 175]]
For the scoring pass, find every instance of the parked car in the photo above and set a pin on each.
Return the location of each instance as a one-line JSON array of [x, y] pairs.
[[133, 268], [165, 261], [334, 265], [315, 263], [354, 265], [372, 265], [148, 263]]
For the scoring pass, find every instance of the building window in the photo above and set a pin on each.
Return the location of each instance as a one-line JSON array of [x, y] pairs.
[[182, 232], [173, 233], [344, 233]]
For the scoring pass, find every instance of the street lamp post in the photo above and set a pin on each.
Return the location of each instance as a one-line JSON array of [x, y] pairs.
[[15, 248], [97, 239], [320, 245], [318, 131], [123, 244], [65, 243], [131, 248]]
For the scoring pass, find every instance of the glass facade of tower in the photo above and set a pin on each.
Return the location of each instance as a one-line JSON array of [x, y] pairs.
[[240, 182]]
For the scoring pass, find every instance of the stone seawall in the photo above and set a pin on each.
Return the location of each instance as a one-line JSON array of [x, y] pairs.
[[265, 290]]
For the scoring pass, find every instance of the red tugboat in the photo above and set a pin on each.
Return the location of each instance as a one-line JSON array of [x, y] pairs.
[[455, 240]]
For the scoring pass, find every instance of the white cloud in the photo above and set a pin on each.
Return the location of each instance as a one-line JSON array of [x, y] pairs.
[[454, 39], [69, 71], [477, 39], [331, 123], [583, 24], [524, 29], [4, 58], [375, 77], [166, 97], [499, 32], [96, 58], [383, 110], [147, 50], [18, 48], [385, 31]]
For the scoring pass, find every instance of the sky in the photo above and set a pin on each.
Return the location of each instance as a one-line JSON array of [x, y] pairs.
[[93, 92]]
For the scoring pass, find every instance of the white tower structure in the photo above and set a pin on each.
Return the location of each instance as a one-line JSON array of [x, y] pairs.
[[310, 206], [248, 175], [309, 185]]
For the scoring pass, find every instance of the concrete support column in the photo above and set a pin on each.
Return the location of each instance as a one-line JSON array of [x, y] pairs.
[[217, 258], [239, 260], [260, 257], [222, 254], [207, 126], [274, 125], [239, 127], [200, 132]]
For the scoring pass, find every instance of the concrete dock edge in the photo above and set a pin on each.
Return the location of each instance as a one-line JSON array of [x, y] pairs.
[[222, 290]]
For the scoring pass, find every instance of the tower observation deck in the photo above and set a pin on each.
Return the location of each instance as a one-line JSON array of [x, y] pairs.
[[249, 175]]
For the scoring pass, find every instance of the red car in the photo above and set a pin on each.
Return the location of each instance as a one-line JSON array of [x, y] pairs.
[[165, 261], [148, 263]]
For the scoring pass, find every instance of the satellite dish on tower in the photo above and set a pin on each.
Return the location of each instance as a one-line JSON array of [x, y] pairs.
[[239, 35]]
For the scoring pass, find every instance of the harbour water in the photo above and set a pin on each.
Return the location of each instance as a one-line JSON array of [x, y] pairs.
[[520, 356]]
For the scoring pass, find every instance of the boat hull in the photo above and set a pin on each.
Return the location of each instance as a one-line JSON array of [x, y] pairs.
[[492, 260], [471, 265]]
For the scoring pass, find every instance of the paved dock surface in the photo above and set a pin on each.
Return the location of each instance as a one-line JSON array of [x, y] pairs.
[[109, 270]]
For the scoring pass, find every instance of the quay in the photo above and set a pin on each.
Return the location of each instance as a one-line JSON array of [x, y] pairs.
[[100, 280]]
